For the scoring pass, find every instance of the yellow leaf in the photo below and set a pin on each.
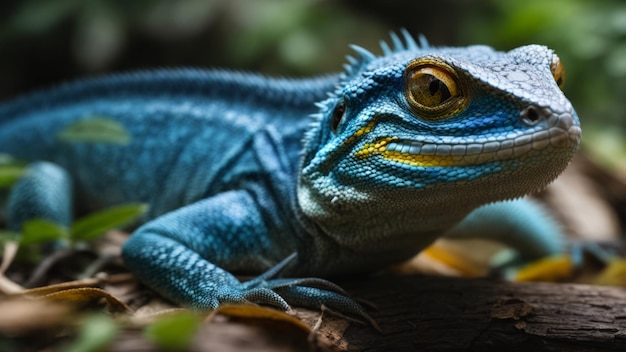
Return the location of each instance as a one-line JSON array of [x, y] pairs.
[[613, 274], [267, 315], [546, 269]]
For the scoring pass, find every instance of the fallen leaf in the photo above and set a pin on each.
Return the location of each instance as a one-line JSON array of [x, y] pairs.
[[613, 274], [22, 316], [251, 312]]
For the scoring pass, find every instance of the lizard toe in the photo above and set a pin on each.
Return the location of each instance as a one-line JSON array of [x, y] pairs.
[[262, 295], [316, 298]]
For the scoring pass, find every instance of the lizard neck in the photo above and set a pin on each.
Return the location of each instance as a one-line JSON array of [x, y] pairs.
[[357, 237]]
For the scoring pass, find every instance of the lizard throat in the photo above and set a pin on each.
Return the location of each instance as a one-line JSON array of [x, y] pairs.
[[480, 151]]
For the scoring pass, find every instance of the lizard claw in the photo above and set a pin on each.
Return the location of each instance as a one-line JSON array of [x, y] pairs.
[[262, 295], [317, 298], [308, 292]]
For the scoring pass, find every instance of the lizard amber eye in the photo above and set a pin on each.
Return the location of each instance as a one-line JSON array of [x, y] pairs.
[[433, 90], [558, 71]]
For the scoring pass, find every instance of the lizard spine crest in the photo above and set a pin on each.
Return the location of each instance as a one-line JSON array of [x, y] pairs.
[[364, 56]]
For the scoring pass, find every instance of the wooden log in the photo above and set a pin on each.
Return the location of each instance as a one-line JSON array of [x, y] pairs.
[[450, 314]]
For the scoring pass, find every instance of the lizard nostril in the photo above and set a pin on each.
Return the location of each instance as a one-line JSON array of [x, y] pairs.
[[531, 116]]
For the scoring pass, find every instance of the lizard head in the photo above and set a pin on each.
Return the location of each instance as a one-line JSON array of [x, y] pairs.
[[436, 132]]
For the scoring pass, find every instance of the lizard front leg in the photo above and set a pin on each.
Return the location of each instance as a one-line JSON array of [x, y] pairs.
[[184, 255]]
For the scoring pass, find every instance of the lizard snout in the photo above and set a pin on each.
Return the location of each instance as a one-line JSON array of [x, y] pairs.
[[563, 128]]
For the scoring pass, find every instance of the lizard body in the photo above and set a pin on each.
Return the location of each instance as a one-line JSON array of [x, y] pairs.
[[401, 149]]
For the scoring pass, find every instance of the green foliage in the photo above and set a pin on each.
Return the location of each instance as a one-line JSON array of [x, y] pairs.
[[11, 170], [41, 231], [95, 129], [96, 333], [173, 332], [8, 236], [9, 174], [312, 39], [95, 224]]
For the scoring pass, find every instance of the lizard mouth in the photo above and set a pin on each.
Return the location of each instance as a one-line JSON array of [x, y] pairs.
[[464, 151]]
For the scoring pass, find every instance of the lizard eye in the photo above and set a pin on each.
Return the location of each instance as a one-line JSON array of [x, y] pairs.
[[338, 114], [432, 89], [558, 71]]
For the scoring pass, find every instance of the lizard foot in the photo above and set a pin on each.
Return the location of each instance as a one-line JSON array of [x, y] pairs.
[[303, 292]]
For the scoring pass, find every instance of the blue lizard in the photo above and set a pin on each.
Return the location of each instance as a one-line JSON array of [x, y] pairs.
[[402, 148]]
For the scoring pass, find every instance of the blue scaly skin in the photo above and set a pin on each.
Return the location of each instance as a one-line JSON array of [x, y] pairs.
[[403, 148]]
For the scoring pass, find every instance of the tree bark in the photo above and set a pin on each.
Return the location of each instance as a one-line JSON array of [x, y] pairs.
[[451, 314]]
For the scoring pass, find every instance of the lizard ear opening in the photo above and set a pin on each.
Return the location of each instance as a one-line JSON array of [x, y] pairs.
[[338, 115], [433, 89]]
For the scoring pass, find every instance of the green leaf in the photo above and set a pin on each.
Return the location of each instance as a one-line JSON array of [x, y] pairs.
[[96, 333], [173, 332], [40, 230], [11, 170], [9, 174], [95, 129], [8, 236], [95, 224]]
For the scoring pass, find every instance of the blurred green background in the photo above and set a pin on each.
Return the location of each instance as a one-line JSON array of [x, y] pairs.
[[43, 42]]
